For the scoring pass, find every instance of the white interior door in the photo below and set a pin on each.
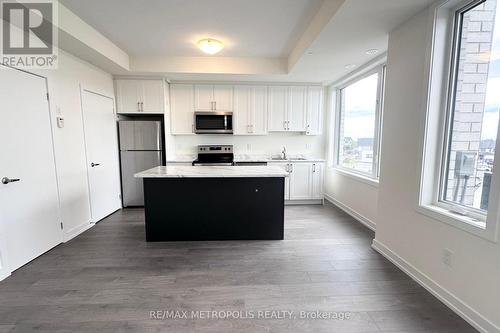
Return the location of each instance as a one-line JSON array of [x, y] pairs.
[[29, 211], [102, 154]]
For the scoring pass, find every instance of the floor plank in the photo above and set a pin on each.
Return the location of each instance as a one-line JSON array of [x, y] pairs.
[[109, 280]]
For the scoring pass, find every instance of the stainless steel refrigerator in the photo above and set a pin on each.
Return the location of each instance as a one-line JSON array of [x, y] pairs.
[[141, 148]]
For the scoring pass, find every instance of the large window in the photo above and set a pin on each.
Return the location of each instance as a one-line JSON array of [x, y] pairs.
[[473, 110], [358, 125]]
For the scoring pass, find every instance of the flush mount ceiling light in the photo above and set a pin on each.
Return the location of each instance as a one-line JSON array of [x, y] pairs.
[[210, 45], [372, 51]]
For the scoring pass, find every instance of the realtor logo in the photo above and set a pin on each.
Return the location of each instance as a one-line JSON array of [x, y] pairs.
[[29, 33]]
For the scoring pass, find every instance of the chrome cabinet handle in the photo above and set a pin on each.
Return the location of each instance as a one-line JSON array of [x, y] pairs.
[[142, 106], [284, 125], [94, 164], [138, 106], [314, 167], [6, 180]]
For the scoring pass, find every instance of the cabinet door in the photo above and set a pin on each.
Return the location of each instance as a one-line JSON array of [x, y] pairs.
[[297, 109], [153, 98], [223, 98], [301, 181], [317, 181], [314, 111], [284, 166], [277, 110], [241, 117], [129, 95], [204, 97], [258, 115], [182, 109]]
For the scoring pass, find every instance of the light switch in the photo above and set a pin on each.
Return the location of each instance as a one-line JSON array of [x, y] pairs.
[[60, 122]]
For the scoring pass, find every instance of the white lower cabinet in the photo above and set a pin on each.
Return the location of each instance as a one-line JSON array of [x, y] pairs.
[[305, 180]]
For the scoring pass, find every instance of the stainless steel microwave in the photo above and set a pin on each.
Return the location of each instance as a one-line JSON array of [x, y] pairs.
[[213, 122]]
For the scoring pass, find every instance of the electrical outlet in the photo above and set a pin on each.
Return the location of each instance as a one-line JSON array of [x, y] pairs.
[[249, 147], [448, 257], [308, 146]]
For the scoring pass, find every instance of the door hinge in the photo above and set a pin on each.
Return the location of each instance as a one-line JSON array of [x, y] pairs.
[[62, 226]]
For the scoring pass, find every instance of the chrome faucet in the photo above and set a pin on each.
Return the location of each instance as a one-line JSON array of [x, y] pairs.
[[283, 153]]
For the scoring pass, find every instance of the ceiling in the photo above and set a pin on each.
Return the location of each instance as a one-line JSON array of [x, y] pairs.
[[248, 28], [312, 40]]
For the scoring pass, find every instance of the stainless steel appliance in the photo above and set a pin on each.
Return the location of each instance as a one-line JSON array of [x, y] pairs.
[[141, 148], [215, 155], [213, 122]]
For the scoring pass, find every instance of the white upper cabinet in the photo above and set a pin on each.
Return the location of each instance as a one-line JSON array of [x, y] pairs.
[[314, 119], [213, 97], [287, 108], [277, 110], [258, 102], [140, 96], [182, 109], [223, 98], [297, 109], [250, 110]]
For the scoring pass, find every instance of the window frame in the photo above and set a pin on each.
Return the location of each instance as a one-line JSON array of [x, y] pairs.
[[364, 176], [439, 66]]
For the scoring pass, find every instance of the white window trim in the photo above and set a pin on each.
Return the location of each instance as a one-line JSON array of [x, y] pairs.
[[436, 92], [369, 178]]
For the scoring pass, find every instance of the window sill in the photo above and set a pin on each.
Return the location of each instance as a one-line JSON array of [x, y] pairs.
[[356, 176], [465, 223]]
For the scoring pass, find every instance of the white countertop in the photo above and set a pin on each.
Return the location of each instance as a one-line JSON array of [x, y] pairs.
[[249, 158], [212, 172]]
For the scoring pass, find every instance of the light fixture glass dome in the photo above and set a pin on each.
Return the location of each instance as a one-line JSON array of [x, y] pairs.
[[210, 45]]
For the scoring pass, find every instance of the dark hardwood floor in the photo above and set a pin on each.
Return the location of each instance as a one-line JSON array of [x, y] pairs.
[[109, 280]]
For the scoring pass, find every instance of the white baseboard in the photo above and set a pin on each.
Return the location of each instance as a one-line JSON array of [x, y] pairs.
[[4, 274], [454, 303], [73, 232], [361, 218], [303, 202]]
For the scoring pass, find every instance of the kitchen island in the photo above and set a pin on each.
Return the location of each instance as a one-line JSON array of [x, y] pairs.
[[194, 203]]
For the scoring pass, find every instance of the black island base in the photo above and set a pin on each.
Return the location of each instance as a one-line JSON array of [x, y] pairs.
[[203, 209]]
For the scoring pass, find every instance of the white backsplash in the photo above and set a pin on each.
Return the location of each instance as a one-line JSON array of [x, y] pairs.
[[272, 144]]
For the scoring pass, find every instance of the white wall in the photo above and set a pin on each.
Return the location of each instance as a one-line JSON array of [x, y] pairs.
[[253, 145], [416, 242], [65, 100], [358, 198]]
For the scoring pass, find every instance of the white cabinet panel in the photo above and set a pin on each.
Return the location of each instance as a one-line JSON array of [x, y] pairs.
[[242, 112], [286, 167], [128, 96], [314, 111], [140, 96], [153, 97], [277, 110], [182, 109], [204, 97], [258, 116], [301, 181], [317, 181], [297, 109], [223, 97]]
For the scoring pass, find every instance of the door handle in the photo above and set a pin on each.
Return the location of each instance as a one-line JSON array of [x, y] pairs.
[[94, 164], [6, 180]]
